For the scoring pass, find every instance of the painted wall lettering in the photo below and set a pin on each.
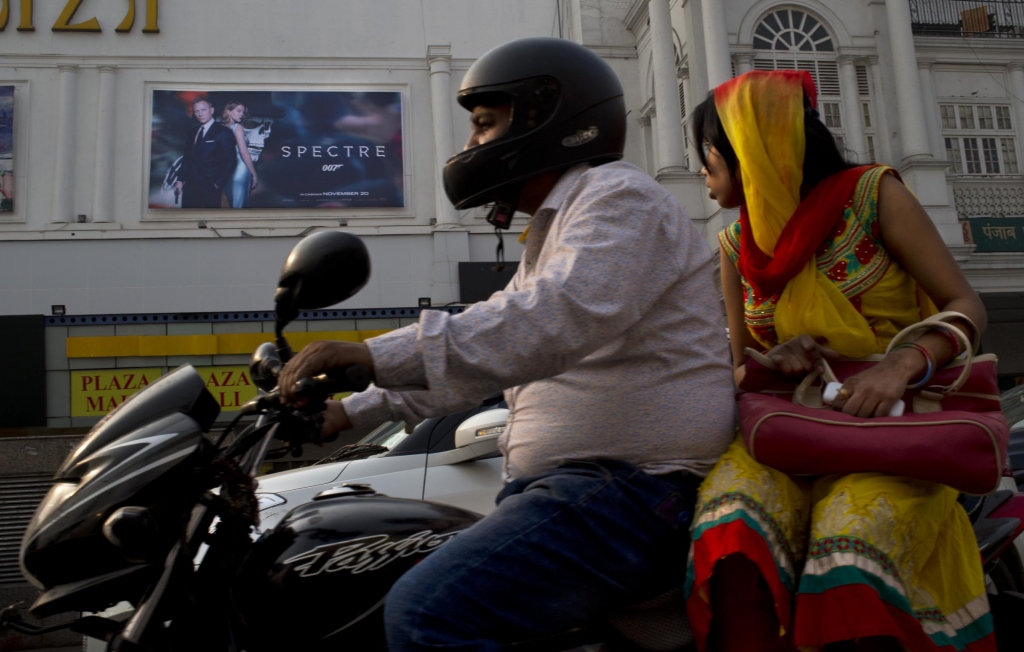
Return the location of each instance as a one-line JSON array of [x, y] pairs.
[[26, 17], [67, 15], [231, 386], [129, 19], [94, 393], [63, 23]]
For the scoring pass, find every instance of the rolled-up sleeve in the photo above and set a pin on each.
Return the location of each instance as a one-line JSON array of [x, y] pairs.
[[609, 255]]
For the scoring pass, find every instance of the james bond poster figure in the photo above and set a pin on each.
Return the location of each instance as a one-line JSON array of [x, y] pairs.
[[208, 160]]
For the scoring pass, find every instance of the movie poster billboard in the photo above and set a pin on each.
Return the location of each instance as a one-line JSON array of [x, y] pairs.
[[216, 149], [6, 149]]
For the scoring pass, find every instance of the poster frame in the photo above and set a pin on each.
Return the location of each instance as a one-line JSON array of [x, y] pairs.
[[22, 111], [306, 215]]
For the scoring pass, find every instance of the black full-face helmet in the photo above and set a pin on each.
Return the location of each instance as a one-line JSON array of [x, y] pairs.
[[567, 108]]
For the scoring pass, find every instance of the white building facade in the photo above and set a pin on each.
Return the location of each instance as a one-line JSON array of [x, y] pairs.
[[934, 88]]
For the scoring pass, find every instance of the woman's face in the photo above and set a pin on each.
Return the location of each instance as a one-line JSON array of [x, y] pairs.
[[723, 187], [236, 114]]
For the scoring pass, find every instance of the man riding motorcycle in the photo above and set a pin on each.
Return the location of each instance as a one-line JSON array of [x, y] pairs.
[[608, 343]]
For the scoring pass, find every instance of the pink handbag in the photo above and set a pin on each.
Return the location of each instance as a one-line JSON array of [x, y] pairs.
[[954, 433]]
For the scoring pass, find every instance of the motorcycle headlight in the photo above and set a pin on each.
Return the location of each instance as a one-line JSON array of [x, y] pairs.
[[266, 501], [54, 498]]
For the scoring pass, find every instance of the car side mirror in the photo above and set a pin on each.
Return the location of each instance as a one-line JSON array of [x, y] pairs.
[[482, 430]]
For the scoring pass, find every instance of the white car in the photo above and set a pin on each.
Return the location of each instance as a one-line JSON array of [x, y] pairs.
[[452, 460]]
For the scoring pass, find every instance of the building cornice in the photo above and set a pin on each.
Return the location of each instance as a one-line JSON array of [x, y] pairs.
[[227, 63], [614, 51], [73, 232], [637, 15]]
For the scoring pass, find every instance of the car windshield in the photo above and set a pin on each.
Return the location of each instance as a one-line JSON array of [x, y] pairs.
[[387, 434], [1012, 401], [381, 439]]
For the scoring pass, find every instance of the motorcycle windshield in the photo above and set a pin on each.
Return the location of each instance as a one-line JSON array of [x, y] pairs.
[[182, 390]]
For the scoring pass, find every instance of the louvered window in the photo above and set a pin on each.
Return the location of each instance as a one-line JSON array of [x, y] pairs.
[[863, 88], [682, 100], [19, 497], [791, 39]]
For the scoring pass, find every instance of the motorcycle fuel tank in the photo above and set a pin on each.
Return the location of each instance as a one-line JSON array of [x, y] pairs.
[[319, 578]]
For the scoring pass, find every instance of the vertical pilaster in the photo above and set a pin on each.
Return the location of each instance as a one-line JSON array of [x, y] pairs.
[[853, 123], [657, 144], [744, 62], [883, 142], [106, 133], [671, 152], [913, 132], [439, 58], [65, 151], [716, 42], [931, 108], [648, 140], [1017, 86], [922, 172], [691, 102]]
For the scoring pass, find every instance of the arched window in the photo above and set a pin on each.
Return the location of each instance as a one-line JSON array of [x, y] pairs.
[[792, 30], [792, 39]]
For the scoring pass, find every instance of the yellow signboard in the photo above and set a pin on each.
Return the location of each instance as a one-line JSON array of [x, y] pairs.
[[231, 386], [94, 393]]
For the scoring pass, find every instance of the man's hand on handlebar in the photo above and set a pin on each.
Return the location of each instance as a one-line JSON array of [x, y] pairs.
[[335, 418], [317, 358]]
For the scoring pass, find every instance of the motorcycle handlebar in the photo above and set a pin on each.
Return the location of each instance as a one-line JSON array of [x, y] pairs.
[[351, 378]]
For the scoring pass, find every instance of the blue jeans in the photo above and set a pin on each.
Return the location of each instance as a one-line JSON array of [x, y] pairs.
[[563, 548]]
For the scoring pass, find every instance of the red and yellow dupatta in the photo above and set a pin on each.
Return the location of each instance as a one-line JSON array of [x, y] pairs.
[[763, 117]]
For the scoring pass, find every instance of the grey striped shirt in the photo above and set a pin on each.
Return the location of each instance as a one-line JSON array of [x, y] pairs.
[[609, 341]]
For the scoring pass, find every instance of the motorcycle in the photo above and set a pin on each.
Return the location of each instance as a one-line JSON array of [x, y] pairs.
[[153, 484]]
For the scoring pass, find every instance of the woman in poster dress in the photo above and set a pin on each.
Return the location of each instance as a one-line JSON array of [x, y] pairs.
[[244, 179]]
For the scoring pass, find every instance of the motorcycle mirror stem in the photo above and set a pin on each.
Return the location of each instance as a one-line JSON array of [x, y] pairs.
[[285, 312]]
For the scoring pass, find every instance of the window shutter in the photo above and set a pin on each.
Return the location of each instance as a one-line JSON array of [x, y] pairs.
[[828, 78], [682, 100], [862, 81]]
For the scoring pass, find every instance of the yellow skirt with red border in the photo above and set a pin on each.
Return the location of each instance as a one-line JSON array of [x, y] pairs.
[[845, 557]]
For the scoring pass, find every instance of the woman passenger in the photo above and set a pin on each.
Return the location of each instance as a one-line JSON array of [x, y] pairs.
[[827, 259]]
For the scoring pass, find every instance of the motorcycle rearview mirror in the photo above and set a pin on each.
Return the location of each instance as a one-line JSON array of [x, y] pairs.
[[323, 269], [264, 366]]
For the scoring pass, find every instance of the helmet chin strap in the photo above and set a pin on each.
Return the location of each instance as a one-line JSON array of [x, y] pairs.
[[500, 216]]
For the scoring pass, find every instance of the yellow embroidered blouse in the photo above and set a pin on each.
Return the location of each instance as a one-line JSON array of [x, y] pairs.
[[855, 259]]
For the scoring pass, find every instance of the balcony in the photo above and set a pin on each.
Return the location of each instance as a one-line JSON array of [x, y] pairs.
[[973, 18], [988, 197]]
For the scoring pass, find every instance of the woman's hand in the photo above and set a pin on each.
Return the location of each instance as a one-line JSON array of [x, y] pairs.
[[335, 418], [315, 359], [873, 392], [800, 355], [255, 182]]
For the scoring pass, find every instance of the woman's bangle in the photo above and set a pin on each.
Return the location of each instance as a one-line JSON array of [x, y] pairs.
[[955, 343], [929, 372]]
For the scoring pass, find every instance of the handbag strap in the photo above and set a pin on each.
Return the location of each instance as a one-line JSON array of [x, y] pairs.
[[975, 335], [939, 321], [804, 393]]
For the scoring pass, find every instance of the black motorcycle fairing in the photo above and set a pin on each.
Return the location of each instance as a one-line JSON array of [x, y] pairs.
[[181, 391], [153, 466], [1016, 454], [328, 565]]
